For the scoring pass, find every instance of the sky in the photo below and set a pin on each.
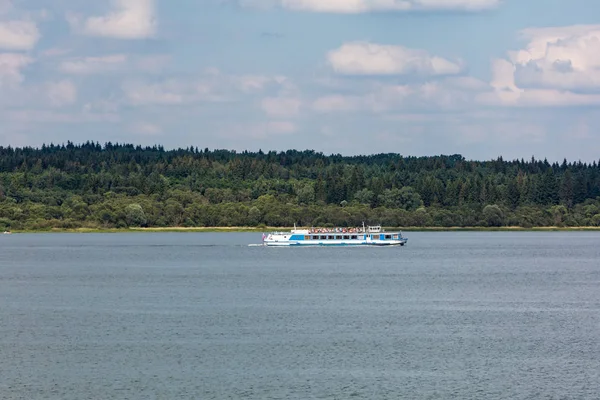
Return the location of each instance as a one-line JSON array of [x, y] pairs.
[[481, 78]]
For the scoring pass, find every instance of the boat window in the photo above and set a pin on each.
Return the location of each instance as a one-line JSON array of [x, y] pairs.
[[306, 237], [330, 237], [353, 237], [323, 237], [388, 236], [346, 237]]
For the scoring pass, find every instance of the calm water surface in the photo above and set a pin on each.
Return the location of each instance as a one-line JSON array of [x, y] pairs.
[[204, 316]]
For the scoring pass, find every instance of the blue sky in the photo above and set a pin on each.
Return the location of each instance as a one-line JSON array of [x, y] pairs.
[[482, 78]]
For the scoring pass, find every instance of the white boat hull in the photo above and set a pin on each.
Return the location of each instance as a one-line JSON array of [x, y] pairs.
[[308, 244], [328, 243]]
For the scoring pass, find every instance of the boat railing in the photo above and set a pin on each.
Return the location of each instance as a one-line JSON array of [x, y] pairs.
[[334, 230]]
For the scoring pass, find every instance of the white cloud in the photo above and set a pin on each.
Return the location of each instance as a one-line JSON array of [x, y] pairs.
[[378, 99], [40, 95], [211, 86], [259, 131], [55, 52], [280, 127], [93, 65], [169, 92], [145, 128], [249, 83], [561, 58], [114, 63], [384, 97], [152, 63], [465, 83], [104, 106], [34, 117], [336, 103], [558, 67], [499, 132], [539, 98], [258, 83], [281, 107], [451, 93], [11, 65], [363, 58], [503, 76], [61, 93], [18, 35], [362, 6], [130, 19]]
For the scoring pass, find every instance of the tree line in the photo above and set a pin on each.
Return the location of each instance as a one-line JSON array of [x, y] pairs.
[[123, 185]]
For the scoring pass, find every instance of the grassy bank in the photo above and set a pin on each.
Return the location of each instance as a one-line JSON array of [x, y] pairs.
[[269, 229]]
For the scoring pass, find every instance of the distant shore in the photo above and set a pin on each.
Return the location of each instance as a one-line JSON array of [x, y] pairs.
[[270, 229]]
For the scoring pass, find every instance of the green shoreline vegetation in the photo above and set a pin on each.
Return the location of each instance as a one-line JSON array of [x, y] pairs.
[[269, 229], [122, 187]]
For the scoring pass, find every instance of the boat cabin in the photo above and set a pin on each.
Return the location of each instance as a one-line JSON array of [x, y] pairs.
[[361, 233]]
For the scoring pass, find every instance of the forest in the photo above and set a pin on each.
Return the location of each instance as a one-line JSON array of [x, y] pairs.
[[109, 186]]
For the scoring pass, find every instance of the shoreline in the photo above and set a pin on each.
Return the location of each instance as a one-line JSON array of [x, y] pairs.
[[239, 229]]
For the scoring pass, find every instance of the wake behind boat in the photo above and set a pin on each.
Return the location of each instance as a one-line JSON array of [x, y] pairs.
[[363, 236]]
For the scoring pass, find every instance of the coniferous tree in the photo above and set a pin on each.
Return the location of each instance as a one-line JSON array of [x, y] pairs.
[[70, 185], [566, 189]]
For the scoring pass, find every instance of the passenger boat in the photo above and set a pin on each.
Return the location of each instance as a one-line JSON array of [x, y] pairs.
[[362, 236]]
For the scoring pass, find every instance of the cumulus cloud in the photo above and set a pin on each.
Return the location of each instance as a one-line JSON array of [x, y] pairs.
[[113, 63], [18, 35], [61, 93], [281, 107], [539, 98], [51, 94], [364, 58], [558, 67], [35, 117], [93, 65], [169, 92], [210, 86], [560, 58], [146, 129], [11, 66], [279, 127], [337, 103], [129, 19], [259, 130], [363, 6], [379, 98], [451, 93], [499, 132]]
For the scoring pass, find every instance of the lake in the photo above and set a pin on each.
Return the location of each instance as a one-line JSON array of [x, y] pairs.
[[465, 315]]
